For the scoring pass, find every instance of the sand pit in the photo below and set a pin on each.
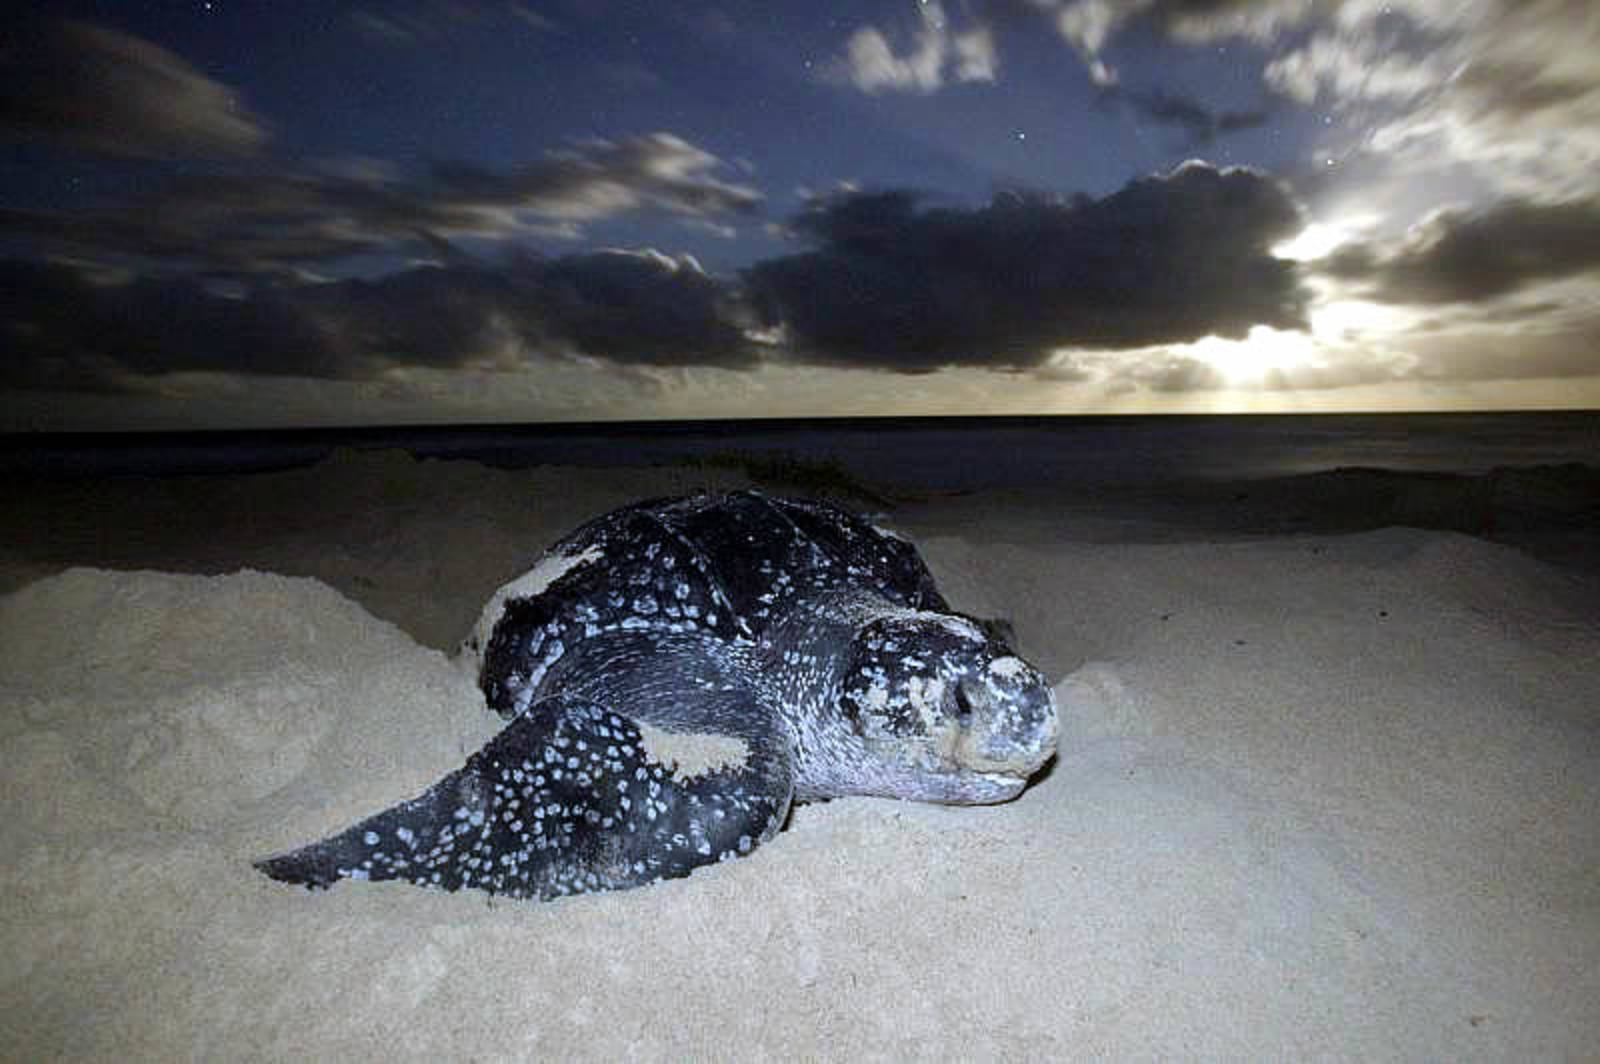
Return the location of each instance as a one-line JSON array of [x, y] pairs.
[[1317, 796]]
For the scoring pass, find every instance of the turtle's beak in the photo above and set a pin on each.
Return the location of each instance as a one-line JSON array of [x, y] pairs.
[[1006, 718]]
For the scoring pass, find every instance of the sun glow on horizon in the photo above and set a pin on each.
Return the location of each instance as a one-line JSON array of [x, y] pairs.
[[1338, 329], [1250, 360], [1270, 357]]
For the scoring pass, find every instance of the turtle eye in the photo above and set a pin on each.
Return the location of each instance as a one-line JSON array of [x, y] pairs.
[[851, 706], [963, 706]]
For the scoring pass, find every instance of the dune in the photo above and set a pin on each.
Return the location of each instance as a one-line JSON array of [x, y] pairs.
[[1328, 794]]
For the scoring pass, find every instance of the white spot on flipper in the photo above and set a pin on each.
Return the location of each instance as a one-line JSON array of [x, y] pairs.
[[691, 754]]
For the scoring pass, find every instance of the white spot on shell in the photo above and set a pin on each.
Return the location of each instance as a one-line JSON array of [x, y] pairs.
[[1009, 668], [548, 570]]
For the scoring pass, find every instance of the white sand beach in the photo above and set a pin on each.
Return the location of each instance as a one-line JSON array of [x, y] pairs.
[[1319, 795]]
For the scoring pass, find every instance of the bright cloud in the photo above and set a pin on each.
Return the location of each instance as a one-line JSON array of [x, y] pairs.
[[937, 55]]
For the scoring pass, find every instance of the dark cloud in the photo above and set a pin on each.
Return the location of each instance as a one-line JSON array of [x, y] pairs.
[[233, 225], [99, 90], [1165, 260], [71, 331], [889, 285], [627, 307], [281, 222], [644, 308], [1461, 256], [1199, 123]]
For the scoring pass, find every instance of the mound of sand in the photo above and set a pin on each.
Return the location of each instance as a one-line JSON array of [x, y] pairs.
[[1316, 796]]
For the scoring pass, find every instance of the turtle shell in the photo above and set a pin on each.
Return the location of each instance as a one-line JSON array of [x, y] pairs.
[[726, 565]]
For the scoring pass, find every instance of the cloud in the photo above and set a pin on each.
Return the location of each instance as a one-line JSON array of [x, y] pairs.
[[1200, 124], [1516, 57], [1504, 94], [644, 308], [1349, 68], [888, 285], [937, 55], [1566, 350], [1175, 373], [1463, 256], [627, 307], [74, 331], [98, 90], [599, 178], [415, 24], [271, 223], [1088, 26], [1164, 260]]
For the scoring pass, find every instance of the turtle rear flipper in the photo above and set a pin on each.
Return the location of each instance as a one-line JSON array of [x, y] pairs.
[[569, 798]]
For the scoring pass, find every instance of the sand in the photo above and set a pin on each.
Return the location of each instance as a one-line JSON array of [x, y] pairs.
[[1319, 795]]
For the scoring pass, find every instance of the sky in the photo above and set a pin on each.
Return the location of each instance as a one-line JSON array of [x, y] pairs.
[[236, 215]]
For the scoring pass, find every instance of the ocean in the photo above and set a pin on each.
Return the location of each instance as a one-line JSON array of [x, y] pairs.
[[950, 454]]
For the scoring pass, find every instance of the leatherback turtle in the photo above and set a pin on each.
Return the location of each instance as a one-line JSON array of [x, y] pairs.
[[674, 674]]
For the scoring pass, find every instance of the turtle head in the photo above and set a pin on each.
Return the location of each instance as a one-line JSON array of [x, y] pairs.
[[947, 710]]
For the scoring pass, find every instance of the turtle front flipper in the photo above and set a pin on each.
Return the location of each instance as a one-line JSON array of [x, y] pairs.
[[571, 797]]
